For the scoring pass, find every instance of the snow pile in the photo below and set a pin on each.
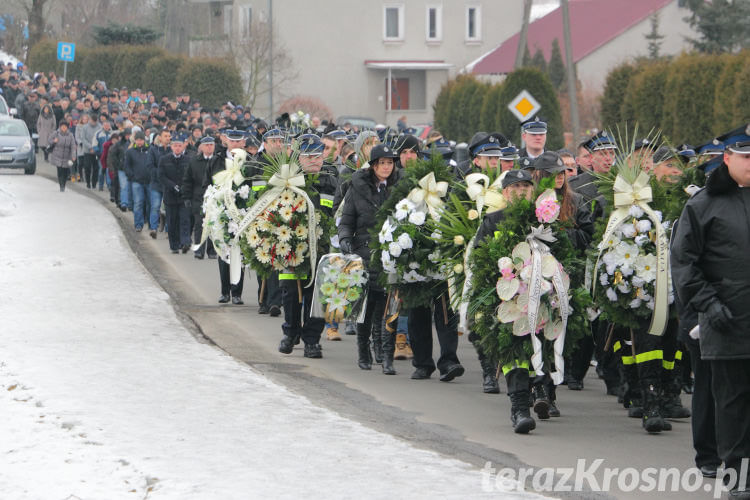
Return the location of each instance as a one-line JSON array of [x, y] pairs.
[[104, 394]]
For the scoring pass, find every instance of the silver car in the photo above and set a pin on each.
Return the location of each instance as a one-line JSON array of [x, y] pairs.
[[16, 146]]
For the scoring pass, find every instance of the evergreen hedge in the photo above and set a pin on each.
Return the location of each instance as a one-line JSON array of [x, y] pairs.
[[691, 98], [212, 81], [466, 105]]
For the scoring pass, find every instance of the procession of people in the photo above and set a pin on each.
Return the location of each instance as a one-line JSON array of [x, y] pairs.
[[627, 253]]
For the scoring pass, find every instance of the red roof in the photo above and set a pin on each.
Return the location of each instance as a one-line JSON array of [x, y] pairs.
[[593, 23]]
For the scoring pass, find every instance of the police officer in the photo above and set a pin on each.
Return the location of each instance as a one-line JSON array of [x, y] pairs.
[[171, 171], [711, 272], [232, 139], [297, 321], [193, 190], [534, 136]]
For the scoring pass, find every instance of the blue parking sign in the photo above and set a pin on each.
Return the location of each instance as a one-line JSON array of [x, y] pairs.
[[66, 51]]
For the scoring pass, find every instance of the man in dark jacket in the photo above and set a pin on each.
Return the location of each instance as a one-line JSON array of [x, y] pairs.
[[193, 190], [171, 171], [30, 115], [138, 165], [157, 150], [711, 274], [297, 321]]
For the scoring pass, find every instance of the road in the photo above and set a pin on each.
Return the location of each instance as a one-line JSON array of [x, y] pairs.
[[455, 418]]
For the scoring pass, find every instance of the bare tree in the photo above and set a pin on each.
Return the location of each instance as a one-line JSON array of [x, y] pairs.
[[78, 17], [257, 51], [36, 18]]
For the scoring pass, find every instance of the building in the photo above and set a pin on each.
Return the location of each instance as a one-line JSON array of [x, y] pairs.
[[379, 59], [604, 34]]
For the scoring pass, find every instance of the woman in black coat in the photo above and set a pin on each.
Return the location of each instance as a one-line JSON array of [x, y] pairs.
[[369, 189]]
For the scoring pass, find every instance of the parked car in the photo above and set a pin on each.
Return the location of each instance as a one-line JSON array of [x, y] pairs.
[[423, 130], [16, 146], [4, 109], [361, 122]]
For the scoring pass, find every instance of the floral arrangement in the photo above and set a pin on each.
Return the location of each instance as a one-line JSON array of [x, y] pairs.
[[300, 120], [630, 286], [522, 301], [225, 202], [281, 231], [340, 287], [408, 244]]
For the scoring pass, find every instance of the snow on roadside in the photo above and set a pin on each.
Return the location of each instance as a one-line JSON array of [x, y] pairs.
[[104, 394]]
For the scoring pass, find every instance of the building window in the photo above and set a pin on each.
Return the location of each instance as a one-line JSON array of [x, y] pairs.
[[247, 21], [434, 23], [393, 22], [473, 24], [227, 15]]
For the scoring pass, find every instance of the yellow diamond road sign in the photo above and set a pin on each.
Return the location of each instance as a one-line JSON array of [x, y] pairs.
[[524, 106]]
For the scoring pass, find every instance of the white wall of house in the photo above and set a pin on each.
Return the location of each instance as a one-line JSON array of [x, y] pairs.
[[593, 69], [330, 40]]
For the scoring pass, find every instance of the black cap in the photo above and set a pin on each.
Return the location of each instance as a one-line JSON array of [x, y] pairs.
[[599, 141], [663, 154], [407, 142], [207, 140], [549, 162], [382, 151], [737, 140], [516, 176], [140, 135], [534, 126]]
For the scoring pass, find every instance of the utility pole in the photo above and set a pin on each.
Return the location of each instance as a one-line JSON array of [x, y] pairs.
[[572, 90], [522, 37], [270, 59]]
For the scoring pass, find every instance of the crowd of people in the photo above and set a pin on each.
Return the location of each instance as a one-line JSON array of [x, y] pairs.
[[157, 156]]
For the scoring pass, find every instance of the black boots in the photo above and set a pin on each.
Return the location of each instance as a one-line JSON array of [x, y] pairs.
[[489, 377], [519, 413], [652, 421], [671, 405], [363, 348], [541, 400], [388, 347], [377, 330], [552, 394]]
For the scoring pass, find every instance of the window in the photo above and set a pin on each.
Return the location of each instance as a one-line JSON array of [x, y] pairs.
[[227, 15], [473, 24], [247, 21], [434, 23], [393, 22]]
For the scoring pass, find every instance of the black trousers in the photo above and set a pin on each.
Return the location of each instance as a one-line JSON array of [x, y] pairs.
[[730, 381], [420, 335], [114, 188], [226, 285], [62, 176], [90, 169], [703, 411], [272, 293], [579, 362], [650, 352], [178, 226], [608, 361], [374, 309], [297, 320]]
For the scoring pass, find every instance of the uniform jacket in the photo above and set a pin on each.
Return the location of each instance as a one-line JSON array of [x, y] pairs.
[[193, 179], [171, 172], [116, 156], [361, 203], [710, 261], [138, 164], [584, 185]]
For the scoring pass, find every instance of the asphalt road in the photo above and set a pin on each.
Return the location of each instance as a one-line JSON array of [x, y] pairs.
[[454, 418]]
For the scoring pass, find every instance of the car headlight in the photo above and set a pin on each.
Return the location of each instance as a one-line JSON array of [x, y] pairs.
[[26, 147]]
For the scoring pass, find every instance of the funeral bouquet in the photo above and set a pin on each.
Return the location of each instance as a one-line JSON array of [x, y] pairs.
[[408, 250], [340, 287], [281, 230], [456, 229], [522, 302], [630, 280], [225, 203]]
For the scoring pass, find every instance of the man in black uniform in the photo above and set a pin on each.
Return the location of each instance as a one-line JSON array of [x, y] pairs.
[[297, 321], [193, 189], [534, 138], [711, 272], [171, 171], [234, 139]]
